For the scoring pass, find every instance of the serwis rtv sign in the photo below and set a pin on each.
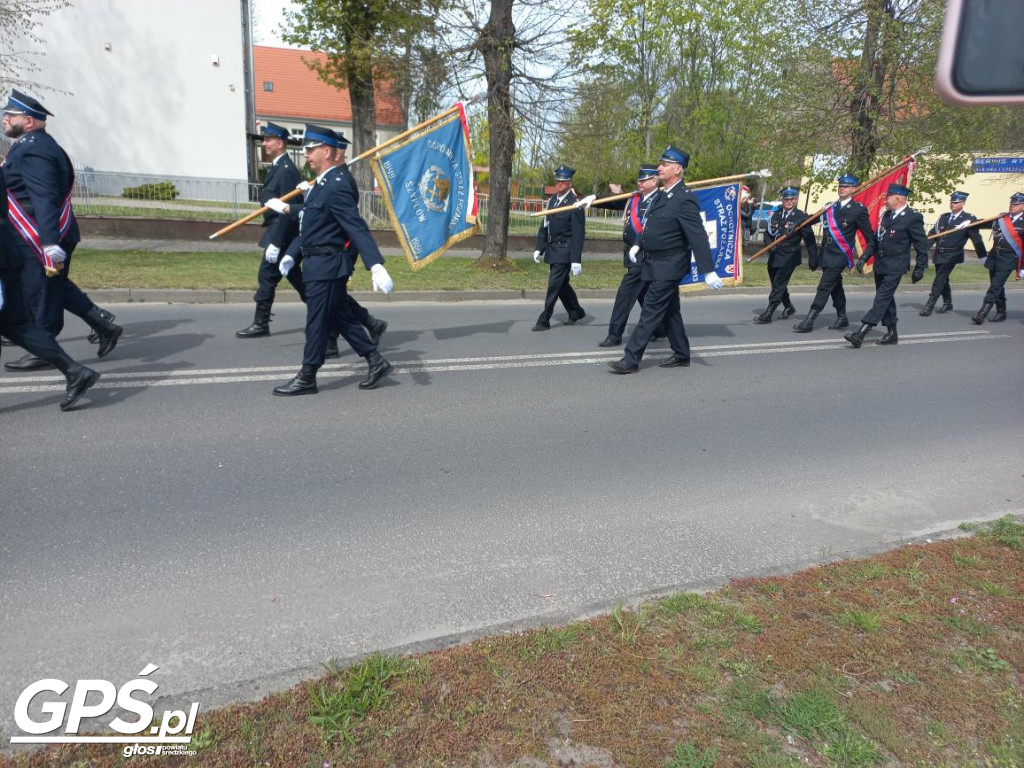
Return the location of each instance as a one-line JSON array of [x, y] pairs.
[[175, 726]]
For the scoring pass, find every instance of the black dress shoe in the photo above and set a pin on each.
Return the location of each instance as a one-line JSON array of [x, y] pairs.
[[541, 327], [675, 362], [253, 331], [574, 317], [764, 318], [379, 367], [610, 341], [890, 337], [787, 312], [945, 307], [5, 342], [621, 367], [79, 380], [28, 362], [303, 384]]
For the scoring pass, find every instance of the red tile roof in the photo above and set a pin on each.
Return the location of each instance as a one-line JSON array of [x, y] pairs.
[[299, 94]]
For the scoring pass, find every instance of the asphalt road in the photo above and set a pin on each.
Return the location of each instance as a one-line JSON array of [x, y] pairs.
[[185, 517]]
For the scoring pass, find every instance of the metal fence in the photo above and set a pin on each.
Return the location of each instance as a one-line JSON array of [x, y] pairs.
[[100, 193]]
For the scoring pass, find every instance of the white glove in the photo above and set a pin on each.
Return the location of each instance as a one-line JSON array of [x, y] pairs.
[[381, 279], [536, 256], [271, 254], [303, 186], [276, 204], [713, 280], [576, 269], [633, 251], [963, 224], [1020, 275], [585, 202], [56, 253], [286, 265]]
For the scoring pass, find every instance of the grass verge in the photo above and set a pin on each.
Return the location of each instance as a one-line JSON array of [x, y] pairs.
[[765, 672], [93, 269]]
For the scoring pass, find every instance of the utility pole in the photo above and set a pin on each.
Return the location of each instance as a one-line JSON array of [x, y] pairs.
[[250, 94]]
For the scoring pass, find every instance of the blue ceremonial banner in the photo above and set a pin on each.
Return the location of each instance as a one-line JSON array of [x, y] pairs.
[[427, 182], [720, 210]]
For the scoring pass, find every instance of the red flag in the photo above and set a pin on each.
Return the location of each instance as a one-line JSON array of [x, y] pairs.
[[873, 198]]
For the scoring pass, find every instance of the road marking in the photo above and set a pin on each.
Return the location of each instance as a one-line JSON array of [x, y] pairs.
[[51, 383]]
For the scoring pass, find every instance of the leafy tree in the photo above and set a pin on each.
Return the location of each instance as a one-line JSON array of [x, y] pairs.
[[18, 38]]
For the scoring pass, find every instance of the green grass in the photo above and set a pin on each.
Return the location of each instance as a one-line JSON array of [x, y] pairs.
[[94, 269], [681, 682]]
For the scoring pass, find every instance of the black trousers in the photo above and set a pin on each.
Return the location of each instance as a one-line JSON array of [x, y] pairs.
[[997, 285], [327, 308], [632, 289], [559, 289], [268, 278], [884, 308], [940, 285], [16, 323], [660, 308], [48, 297], [780, 285], [831, 284]]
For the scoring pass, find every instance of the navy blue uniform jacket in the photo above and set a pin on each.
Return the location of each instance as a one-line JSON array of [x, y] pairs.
[[561, 241], [39, 175], [282, 178], [331, 228], [896, 233], [674, 230], [851, 218], [950, 248], [787, 253]]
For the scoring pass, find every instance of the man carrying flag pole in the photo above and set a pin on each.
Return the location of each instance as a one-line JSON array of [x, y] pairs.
[[842, 221], [1006, 258]]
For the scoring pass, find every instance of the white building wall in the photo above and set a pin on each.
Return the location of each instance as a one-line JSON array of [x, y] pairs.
[[146, 86]]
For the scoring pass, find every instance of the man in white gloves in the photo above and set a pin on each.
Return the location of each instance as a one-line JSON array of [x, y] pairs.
[[39, 179], [673, 230], [282, 177], [560, 244], [331, 230], [1005, 258]]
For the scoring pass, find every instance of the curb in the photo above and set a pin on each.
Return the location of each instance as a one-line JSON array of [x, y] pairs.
[[233, 296]]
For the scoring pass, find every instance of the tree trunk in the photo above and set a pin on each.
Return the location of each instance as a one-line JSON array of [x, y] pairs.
[[497, 39], [868, 81], [364, 123]]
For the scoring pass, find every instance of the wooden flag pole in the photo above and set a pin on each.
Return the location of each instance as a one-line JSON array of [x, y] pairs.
[[394, 139], [624, 195], [979, 222], [813, 218]]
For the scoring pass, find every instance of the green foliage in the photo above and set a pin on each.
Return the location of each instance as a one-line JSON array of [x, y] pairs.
[[688, 756], [1007, 530], [338, 705], [163, 190]]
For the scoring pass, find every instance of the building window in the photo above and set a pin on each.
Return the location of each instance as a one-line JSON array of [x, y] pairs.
[[268, 85]]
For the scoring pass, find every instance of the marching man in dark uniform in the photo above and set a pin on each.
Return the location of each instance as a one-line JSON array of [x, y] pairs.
[[899, 228], [949, 250], [17, 325], [560, 243], [331, 230], [40, 179], [282, 177], [785, 257], [632, 288], [1004, 259], [841, 223], [673, 235]]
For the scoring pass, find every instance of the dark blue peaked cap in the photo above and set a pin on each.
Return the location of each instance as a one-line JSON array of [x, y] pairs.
[[275, 130], [847, 180], [564, 173], [789, 192], [646, 171], [898, 189], [1017, 197], [674, 154], [958, 197], [19, 103], [317, 134]]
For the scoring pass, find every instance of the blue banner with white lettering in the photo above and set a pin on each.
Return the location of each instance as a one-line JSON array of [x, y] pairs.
[[998, 165], [427, 182], [720, 211]]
